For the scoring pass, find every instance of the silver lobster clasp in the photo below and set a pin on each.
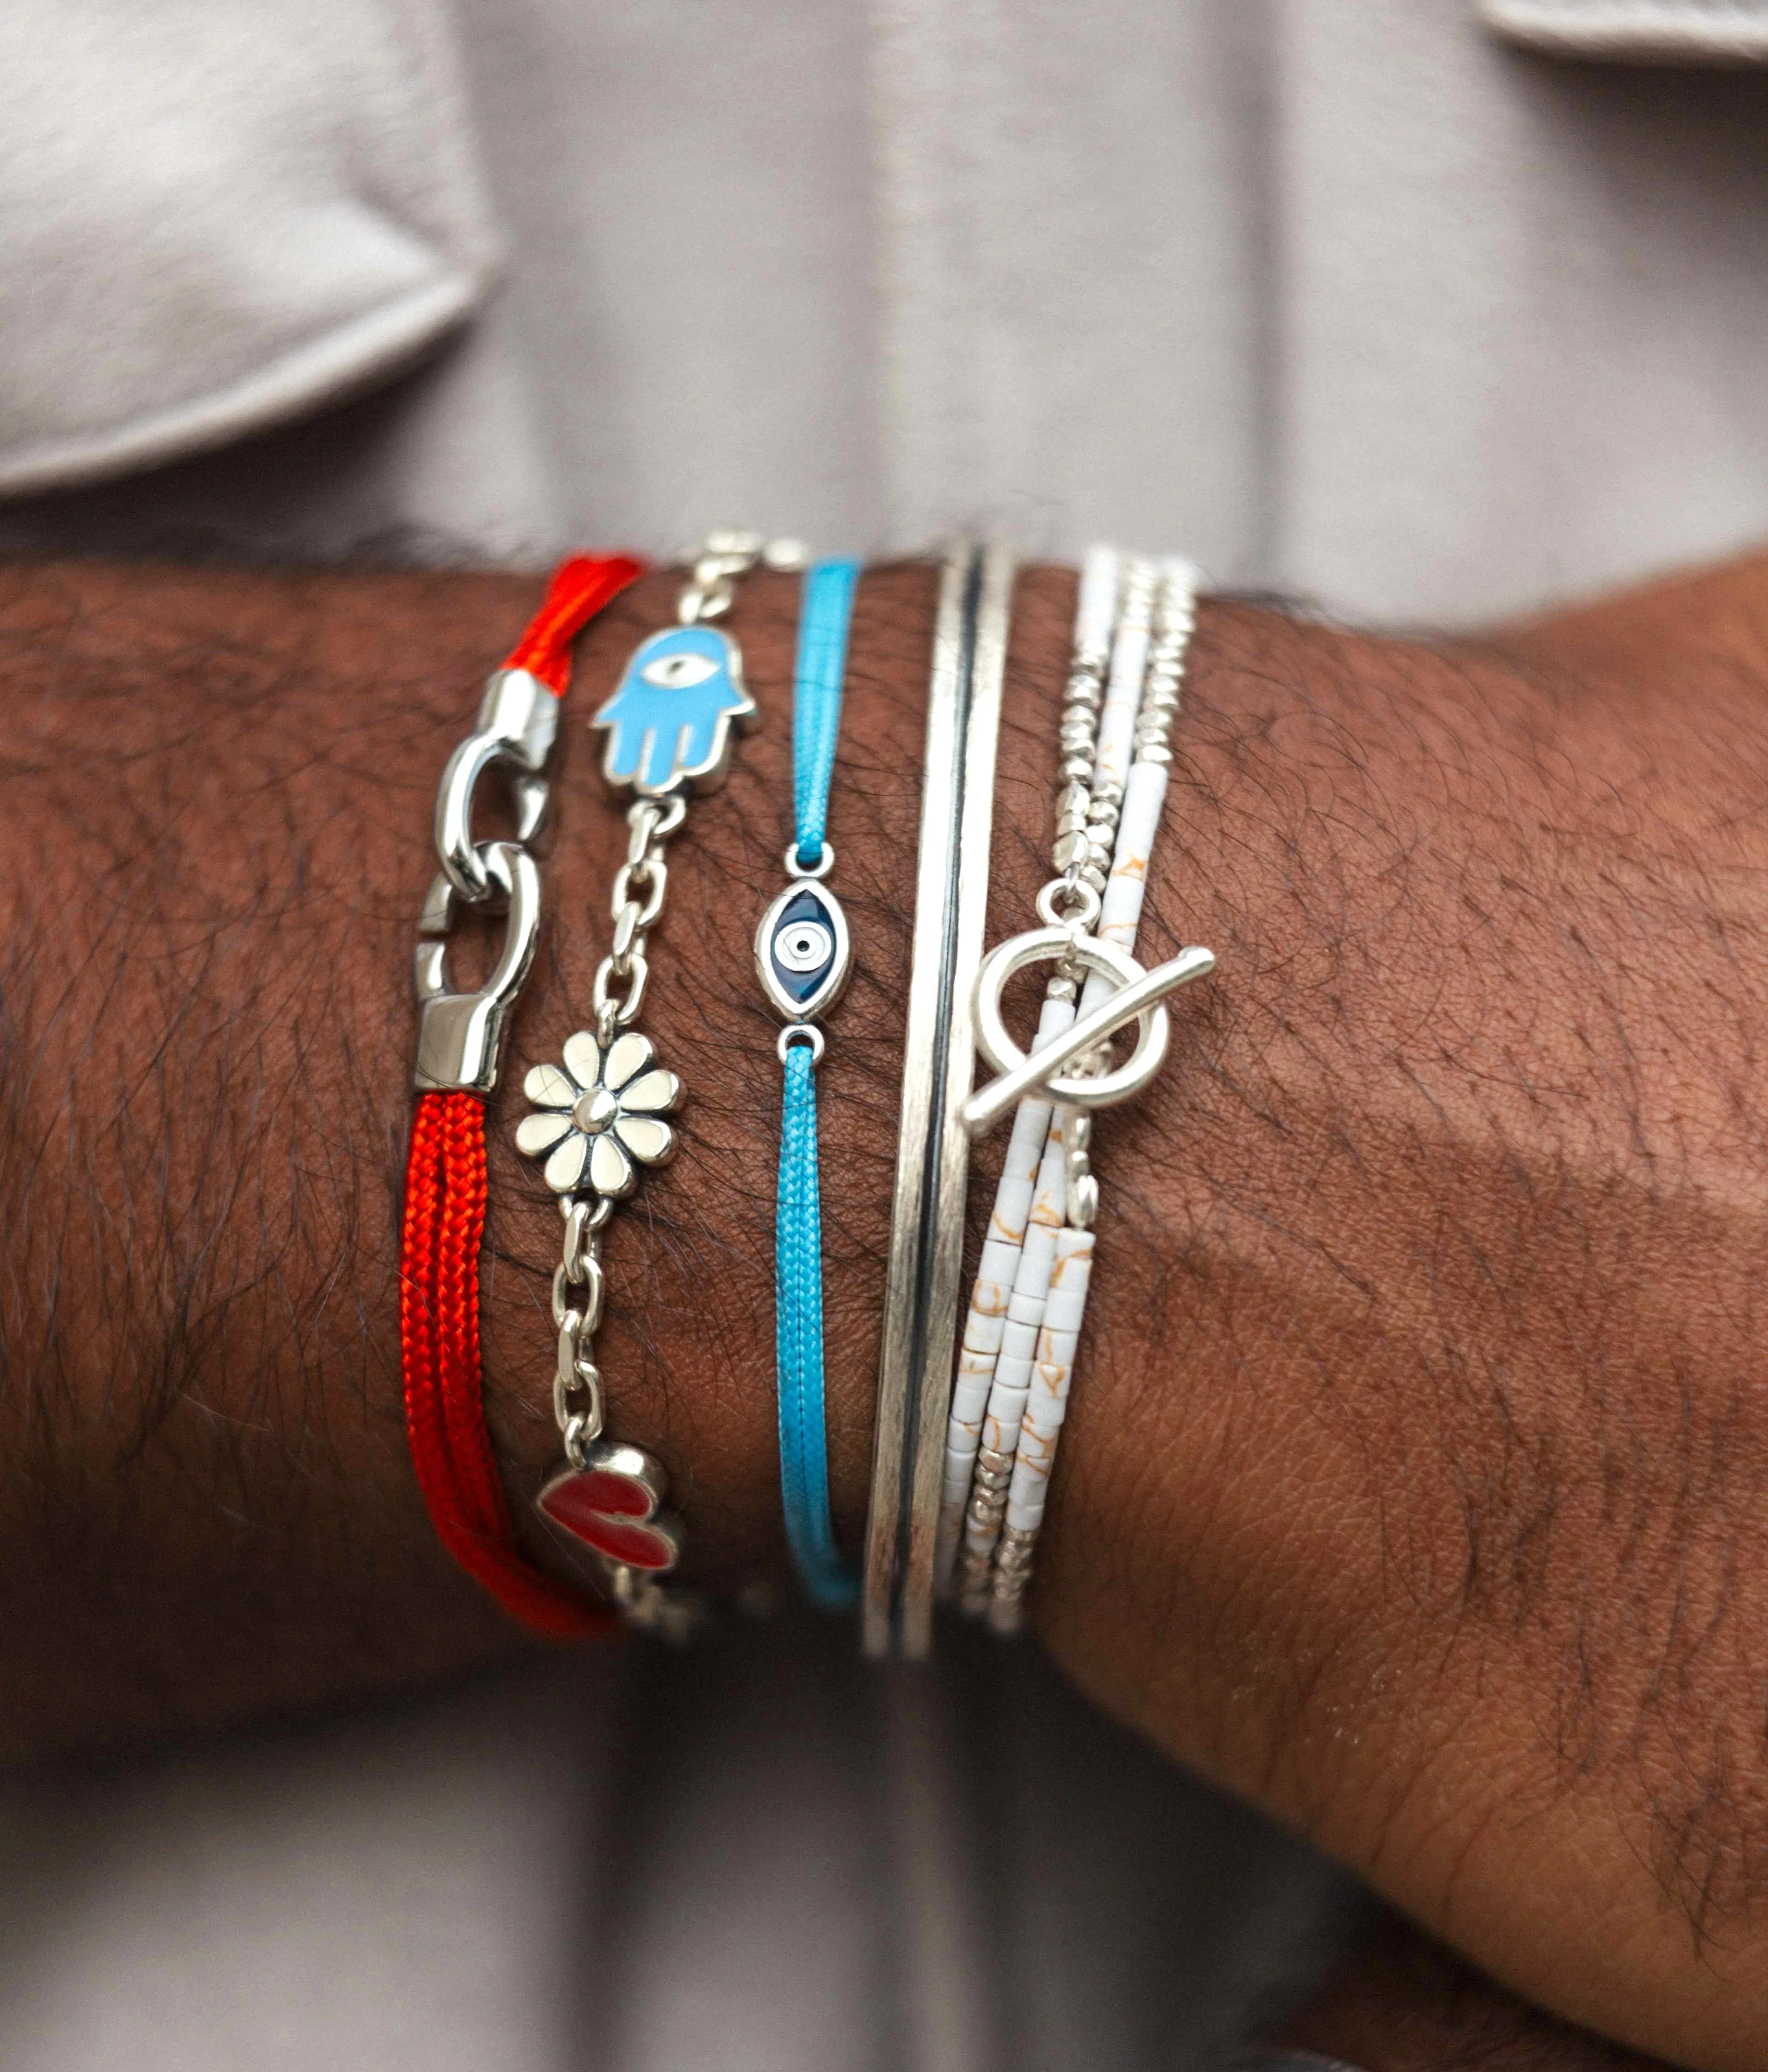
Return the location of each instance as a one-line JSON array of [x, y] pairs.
[[518, 721], [460, 1035]]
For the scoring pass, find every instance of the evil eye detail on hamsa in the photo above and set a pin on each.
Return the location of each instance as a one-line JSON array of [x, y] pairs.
[[801, 951], [668, 722]]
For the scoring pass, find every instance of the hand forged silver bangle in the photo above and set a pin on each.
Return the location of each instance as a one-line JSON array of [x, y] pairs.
[[927, 1228]]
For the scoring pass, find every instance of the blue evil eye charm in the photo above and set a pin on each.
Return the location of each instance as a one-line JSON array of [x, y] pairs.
[[801, 951], [668, 722]]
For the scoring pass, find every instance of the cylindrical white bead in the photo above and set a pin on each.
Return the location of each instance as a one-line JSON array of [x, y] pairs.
[[985, 1322], [1145, 794], [954, 1493], [1097, 606], [1050, 1196], [1012, 1367], [1047, 1402], [1025, 1321]]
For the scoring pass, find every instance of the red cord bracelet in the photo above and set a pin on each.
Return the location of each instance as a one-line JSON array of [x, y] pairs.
[[445, 1174]]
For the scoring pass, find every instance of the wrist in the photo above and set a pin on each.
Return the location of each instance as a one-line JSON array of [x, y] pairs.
[[687, 1351], [1435, 1237]]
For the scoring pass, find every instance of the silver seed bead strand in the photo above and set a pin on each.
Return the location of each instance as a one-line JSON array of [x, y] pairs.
[[1175, 620], [1012, 1578], [994, 1475], [1142, 577], [1079, 737]]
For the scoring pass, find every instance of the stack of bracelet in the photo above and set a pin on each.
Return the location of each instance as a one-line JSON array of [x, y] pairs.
[[1016, 1361], [599, 1115]]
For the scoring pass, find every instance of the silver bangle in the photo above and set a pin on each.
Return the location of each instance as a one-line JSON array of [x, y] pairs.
[[927, 1228]]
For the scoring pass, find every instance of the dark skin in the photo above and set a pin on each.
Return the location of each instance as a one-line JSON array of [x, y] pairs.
[[1415, 1480], [1407, 2004]]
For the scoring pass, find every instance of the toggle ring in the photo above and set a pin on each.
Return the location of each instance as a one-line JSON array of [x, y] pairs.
[[1136, 998]]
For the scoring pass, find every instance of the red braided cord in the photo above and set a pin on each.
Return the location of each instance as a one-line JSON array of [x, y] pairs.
[[444, 1227], [579, 589], [444, 1220]]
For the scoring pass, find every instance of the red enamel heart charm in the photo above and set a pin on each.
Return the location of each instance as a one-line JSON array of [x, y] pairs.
[[611, 1504]]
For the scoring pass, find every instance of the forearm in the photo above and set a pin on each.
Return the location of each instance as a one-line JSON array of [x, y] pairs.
[[217, 805], [1394, 1494], [1437, 1525]]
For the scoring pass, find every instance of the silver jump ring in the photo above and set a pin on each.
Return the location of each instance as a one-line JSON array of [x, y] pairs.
[[592, 1216], [1083, 903], [820, 868], [580, 1433], [801, 1032]]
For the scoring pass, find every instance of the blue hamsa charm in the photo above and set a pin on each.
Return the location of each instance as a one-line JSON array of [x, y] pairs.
[[668, 722], [801, 951]]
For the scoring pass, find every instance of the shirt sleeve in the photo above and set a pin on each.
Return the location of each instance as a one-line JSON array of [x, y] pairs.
[[219, 216], [1643, 32]]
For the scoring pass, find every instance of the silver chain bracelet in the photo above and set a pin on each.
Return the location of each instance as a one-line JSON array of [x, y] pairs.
[[599, 1117]]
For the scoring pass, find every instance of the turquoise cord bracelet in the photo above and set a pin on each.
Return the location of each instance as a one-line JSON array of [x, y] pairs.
[[802, 955]]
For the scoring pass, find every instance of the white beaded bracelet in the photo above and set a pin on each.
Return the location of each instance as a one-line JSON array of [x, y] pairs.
[[1029, 1302], [992, 1321]]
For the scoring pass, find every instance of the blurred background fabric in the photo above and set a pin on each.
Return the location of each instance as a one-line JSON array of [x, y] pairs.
[[753, 1857], [1353, 299], [217, 217], [1675, 31]]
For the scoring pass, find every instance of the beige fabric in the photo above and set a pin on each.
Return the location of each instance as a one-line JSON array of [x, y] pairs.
[[1348, 297], [695, 1863], [1690, 31], [217, 214]]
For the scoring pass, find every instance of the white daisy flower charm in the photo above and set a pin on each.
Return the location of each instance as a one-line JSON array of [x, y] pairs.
[[598, 1115]]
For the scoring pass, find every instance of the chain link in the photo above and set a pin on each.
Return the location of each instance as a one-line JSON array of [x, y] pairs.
[[590, 1310], [578, 1290], [719, 559], [652, 820], [649, 879], [640, 886], [612, 1012]]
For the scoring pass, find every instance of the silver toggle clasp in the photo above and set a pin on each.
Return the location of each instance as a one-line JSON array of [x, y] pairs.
[[460, 1035], [518, 721], [1136, 998]]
